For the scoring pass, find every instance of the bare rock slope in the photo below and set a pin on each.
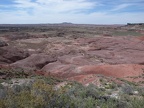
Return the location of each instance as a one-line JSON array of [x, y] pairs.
[[9, 54], [119, 57]]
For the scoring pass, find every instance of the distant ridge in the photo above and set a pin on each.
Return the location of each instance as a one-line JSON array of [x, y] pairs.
[[135, 23], [66, 23]]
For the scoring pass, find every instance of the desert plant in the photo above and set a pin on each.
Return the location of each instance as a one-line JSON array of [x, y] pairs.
[[127, 89], [137, 103], [141, 91]]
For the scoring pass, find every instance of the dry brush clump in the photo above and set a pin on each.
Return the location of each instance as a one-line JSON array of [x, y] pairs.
[[41, 93]]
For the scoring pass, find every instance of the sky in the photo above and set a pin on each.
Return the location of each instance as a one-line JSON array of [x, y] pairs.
[[74, 11]]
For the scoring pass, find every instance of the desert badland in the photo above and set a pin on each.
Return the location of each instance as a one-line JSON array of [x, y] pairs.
[[100, 55]]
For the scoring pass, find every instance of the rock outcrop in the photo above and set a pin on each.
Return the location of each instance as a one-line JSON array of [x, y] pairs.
[[9, 54], [35, 61], [3, 43]]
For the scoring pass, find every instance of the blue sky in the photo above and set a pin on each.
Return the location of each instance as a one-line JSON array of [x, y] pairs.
[[75, 11]]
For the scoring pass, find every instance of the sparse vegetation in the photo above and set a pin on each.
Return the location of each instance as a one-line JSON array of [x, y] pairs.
[[9, 73], [41, 94]]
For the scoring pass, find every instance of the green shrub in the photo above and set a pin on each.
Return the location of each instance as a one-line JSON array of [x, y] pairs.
[[41, 94], [141, 91], [127, 89], [137, 102]]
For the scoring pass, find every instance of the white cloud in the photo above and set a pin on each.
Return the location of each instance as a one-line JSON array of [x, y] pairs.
[[56, 6], [57, 11], [93, 18], [121, 6], [4, 6]]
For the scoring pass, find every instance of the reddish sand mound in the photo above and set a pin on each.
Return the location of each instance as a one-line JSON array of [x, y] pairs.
[[86, 79], [141, 38], [88, 74], [119, 71], [97, 80]]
